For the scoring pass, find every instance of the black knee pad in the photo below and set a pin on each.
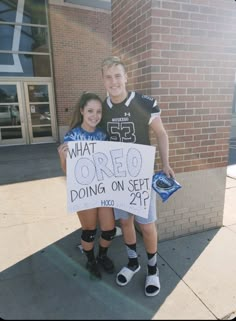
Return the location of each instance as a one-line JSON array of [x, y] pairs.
[[108, 235], [88, 235]]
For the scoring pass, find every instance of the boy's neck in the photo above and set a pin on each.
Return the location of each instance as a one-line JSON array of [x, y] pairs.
[[119, 99]]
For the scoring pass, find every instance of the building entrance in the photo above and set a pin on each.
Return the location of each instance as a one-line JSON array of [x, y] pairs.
[[27, 113]]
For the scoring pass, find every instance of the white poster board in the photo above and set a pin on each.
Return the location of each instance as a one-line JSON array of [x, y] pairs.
[[109, 174]]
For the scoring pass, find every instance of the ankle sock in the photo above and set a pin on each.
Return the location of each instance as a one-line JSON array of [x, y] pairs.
[[132, 256], [152, 263], [152, 270]]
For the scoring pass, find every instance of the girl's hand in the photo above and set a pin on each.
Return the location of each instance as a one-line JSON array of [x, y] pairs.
[[62, 150]]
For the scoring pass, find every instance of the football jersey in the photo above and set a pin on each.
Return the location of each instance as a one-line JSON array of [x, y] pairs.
[[129, 121], [78, 133]]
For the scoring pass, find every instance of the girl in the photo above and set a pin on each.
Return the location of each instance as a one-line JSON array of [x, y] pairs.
[[83, 126]]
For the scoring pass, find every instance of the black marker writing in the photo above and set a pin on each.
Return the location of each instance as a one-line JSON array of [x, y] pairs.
[[81, 149]]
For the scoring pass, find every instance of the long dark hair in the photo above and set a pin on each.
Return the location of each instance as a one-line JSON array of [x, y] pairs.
[[77, 117]]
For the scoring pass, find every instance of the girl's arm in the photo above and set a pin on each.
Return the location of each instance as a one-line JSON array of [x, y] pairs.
[[62, 151]]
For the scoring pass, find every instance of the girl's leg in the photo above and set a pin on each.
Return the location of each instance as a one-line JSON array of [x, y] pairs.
[[108, 230], [88, 220]]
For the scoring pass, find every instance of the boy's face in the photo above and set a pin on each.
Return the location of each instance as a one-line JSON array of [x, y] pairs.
[[115, 79]]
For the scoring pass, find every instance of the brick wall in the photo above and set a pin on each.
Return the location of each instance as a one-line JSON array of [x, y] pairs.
[[183, 52], [80, 39]]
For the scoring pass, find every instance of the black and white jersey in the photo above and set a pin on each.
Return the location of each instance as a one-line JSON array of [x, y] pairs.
[[129, 121]]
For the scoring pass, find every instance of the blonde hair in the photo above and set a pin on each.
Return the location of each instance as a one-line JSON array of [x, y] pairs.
[[112, 61]]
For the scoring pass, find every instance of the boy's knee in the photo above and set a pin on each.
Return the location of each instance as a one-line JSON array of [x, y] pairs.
[[147, 228]]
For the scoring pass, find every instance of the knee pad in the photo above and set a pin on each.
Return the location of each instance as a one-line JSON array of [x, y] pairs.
[[108, 235], [88, 235]]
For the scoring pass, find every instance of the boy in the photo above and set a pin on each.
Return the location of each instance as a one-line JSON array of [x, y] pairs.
[[127, 117]]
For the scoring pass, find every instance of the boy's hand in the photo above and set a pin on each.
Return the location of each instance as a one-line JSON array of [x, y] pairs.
[[168, 171]]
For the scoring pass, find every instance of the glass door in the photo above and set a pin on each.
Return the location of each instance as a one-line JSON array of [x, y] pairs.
[[40, 112], [12, 117], [27, 113]]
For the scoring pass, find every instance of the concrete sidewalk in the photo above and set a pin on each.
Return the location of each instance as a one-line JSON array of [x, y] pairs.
[[42, 270]]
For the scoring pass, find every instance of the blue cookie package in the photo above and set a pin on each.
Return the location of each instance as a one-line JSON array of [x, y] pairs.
[[164, 186]]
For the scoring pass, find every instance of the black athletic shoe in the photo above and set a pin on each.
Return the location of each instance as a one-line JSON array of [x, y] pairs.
[[106, 263], [93, 268]]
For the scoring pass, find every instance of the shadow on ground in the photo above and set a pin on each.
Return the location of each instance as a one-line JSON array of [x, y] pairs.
[[28, 162], [53, 283]]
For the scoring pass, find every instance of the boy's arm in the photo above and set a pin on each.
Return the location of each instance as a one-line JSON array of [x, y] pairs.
[[163, 145]]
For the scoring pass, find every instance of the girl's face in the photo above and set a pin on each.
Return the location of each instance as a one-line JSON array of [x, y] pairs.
[[92, 115]]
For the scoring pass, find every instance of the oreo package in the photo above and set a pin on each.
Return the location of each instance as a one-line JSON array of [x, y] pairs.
[[164, 186]]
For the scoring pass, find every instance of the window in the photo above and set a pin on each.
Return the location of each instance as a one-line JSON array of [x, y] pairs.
[[101, 4], [24, 45]]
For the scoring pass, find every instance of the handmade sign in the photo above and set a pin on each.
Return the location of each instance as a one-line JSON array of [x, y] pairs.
[[109, 174]]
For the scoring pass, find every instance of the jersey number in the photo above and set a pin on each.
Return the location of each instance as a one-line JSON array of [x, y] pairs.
[[121, 132]]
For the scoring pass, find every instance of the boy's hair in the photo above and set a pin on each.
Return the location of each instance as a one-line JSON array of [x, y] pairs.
[[112, 61]]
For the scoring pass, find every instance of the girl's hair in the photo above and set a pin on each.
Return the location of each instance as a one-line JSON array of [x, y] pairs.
[[77, 117]]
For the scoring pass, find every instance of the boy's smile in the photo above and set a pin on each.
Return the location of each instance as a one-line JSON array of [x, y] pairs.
[[115, 79]]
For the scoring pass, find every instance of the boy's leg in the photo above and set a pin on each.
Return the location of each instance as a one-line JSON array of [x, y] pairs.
[[129, 236], [150, 238], [149, 233]]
